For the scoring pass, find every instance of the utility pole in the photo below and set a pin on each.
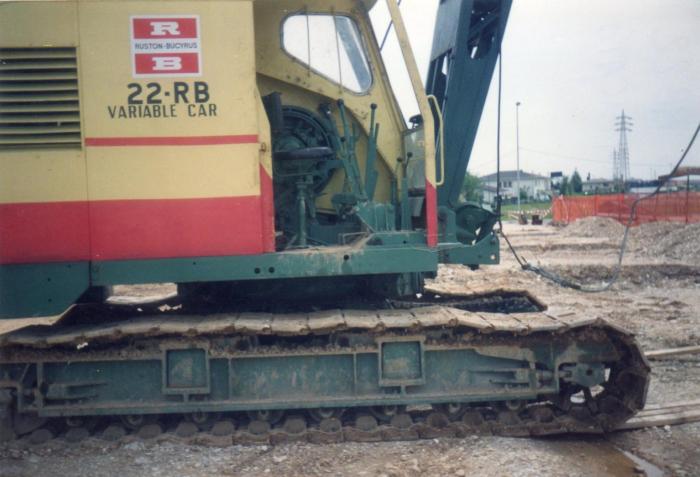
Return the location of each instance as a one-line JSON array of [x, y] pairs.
[[623, 125], [517, 150]]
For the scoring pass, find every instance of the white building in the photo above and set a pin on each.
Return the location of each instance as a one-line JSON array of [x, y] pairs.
[[537, 187], [598, 186], [488, 195]]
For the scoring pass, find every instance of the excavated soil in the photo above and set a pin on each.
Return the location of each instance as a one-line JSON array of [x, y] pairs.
[[669, 240], [657, 297], [658, 240], [594, 227]]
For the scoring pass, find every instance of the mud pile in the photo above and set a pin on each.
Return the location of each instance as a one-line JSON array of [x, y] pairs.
[[661, 240], [668, 240], [599, 227]]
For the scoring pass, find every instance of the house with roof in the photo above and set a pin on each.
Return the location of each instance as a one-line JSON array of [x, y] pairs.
[[536, 186], [488, 194], [598, 186]]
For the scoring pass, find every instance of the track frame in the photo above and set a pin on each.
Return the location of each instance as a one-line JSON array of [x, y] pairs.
[[341, 359]]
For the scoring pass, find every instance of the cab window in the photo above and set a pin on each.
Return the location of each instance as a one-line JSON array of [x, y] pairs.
[[330, 45]]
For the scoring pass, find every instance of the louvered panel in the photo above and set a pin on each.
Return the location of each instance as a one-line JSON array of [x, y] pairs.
[[41, 88], [21, 130], [31, 108], [39, 98], [36, 53], [37, 75], [50, 97], [29, 65], [39, 118], [37, 139]]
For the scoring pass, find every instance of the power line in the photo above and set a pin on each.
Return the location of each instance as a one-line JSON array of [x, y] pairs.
[[583, 159]]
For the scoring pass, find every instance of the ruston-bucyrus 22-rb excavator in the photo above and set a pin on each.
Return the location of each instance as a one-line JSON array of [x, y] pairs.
[[253, 153]]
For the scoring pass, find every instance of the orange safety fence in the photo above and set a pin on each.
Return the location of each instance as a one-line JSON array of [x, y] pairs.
[[665, 207]]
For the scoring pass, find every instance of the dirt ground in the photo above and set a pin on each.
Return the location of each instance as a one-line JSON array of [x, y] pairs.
[[657, 297]]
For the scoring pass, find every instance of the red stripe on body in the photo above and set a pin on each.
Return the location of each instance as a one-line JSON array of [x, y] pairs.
[[171, 141], [142, 229], [44, 232], [431, 214], [132, 229]]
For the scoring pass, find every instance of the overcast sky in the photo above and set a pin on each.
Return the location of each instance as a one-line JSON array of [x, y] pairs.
[[574, 65]]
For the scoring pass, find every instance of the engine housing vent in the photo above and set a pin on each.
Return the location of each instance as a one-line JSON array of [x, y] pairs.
[[39, 98]]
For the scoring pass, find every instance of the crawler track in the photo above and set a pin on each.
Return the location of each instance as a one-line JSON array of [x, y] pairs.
[[575, 410]]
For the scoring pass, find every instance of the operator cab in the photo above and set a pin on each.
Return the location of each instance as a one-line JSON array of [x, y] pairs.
[[336, 178]]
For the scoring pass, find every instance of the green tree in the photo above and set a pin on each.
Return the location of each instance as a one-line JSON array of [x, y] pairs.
[[576, 182], [566, 187], [471, 188]]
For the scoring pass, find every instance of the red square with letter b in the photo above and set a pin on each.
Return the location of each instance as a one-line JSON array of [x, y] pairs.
[[166, 46]]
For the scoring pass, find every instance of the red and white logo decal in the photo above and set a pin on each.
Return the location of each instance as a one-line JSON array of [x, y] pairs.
[[166, 46]]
